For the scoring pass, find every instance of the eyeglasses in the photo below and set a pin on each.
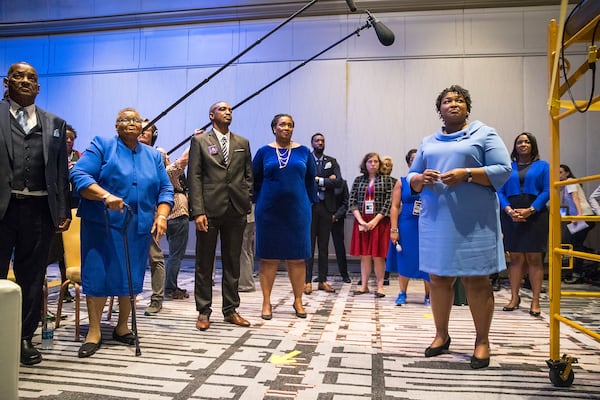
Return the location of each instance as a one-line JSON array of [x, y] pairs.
[[129, 120]]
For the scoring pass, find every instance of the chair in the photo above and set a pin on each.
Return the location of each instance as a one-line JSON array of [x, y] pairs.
[[71, 244]]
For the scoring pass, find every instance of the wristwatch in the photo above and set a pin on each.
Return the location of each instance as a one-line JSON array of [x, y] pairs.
[[469, 175]]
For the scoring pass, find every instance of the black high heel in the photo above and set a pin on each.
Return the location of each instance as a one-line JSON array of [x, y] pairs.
[[534, 313], [269, 315], [299, 314], [436, 351], [506, 308], [478, 363]]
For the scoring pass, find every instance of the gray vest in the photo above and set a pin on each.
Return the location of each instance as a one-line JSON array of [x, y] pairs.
[[28, 161]]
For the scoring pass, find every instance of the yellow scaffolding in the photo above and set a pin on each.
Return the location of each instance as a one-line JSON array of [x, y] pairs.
[[561, 373]]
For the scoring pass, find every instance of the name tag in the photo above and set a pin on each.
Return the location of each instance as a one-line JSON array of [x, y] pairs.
[[369, 207], [417, 208]]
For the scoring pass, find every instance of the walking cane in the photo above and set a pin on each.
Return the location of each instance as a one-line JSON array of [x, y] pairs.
[[128, 215]]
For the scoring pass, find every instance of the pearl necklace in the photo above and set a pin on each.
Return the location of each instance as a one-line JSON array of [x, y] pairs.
[[283, 157]]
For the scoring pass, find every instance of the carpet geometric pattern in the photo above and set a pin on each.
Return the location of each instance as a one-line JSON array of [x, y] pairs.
[[349, 347]]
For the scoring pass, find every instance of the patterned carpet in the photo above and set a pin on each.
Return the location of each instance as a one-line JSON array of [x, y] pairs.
[[349, 347]]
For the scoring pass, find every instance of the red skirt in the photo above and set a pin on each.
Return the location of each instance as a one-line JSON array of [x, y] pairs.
[[372, 243]]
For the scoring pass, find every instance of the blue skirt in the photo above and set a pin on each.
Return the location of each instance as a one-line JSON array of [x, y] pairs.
[[104, 268]]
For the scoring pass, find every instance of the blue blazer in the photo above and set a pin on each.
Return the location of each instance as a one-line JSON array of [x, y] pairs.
[[537, 183]]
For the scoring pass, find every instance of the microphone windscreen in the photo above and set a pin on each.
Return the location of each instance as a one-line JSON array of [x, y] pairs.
[[384, 34], [351, 5]]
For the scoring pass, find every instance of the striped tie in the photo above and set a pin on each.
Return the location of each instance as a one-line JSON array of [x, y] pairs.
[[224, 149]]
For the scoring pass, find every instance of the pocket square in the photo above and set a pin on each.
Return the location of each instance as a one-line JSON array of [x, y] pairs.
[[56, 133], [327, 165], [239, 150]]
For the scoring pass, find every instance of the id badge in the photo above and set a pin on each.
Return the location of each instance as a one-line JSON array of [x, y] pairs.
[[417, 208], [369, 207]]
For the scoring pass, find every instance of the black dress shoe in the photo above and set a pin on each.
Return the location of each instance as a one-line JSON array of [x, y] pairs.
[[29, 354], [128, 338], [478, 363], [88, 349], [346, 279], [436, 351]]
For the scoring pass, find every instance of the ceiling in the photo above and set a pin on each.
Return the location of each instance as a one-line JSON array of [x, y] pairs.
[[61, 16]]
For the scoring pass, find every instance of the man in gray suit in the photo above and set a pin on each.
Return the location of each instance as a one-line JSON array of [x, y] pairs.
[[220, 190], [34, 193]]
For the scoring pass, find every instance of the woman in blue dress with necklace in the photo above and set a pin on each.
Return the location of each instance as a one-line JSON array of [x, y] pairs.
[[458, 170], [284, 188]]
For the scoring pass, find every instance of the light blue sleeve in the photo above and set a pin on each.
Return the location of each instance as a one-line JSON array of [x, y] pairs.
[[497, 164]]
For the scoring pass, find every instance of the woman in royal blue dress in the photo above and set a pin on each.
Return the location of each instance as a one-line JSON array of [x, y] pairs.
[[404, 219], [284, 188], [458, 170], [111, 172]]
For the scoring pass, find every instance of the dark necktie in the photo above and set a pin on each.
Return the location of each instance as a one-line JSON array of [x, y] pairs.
[[320, 192], [22, 118]]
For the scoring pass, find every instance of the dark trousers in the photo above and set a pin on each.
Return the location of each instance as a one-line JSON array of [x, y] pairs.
[[320, 228], [230, 229], [577, 239], [27, 229], [337, 234]]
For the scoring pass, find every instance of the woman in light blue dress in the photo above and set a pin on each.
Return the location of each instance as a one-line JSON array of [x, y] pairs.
[[457, 170]]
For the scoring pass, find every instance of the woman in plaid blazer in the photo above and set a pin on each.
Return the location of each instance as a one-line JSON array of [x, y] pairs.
[[370, 202]]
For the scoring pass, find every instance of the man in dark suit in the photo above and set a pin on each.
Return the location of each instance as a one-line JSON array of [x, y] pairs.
[[328, 178], [34, 193], [338, 230], [220, 190]]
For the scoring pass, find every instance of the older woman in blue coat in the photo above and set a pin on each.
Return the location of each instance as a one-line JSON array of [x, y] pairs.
[[112, 172]]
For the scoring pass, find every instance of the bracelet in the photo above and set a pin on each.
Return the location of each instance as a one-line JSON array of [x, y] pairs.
[[161, 216], [469, 178], [510, 211], [531, 210], [106, 196], [394, 230]]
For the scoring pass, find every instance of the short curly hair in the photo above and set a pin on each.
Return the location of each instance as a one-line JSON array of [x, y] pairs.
[[464, 93]]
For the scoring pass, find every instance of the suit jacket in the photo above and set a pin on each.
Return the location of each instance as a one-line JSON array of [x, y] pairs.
[[341, 201], [330, 167], [55, 159], [213, 185]]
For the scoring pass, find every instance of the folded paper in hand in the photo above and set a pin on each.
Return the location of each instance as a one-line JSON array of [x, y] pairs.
[[576, 226]]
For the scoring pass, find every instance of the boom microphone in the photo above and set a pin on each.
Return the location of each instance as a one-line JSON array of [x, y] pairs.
[[384, 34], [351, 5]]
